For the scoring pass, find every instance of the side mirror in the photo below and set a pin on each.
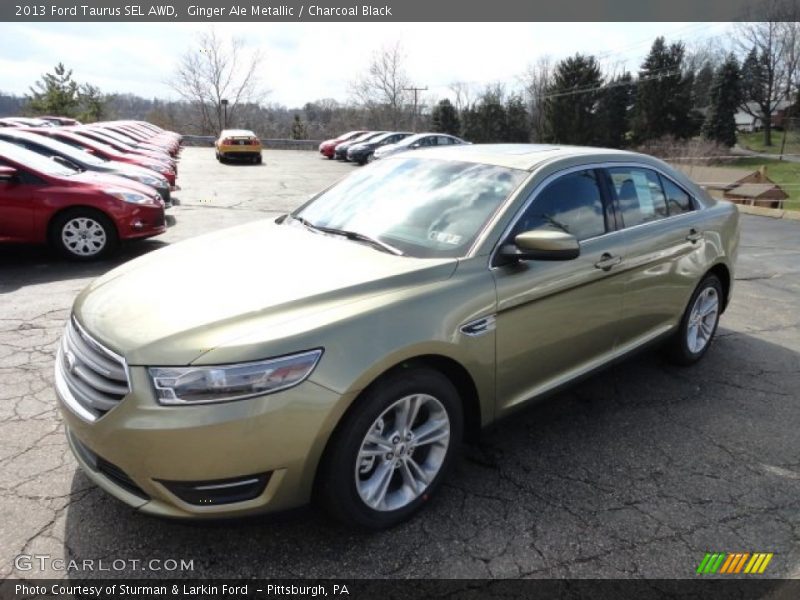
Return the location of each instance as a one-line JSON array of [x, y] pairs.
[[415, 145], [542, 244], [7, 173]]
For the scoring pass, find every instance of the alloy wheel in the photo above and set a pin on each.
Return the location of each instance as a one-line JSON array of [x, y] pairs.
[[402, 452], [702, 320]]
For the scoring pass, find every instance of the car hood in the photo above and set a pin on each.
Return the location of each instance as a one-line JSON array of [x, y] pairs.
[[127, 169], [108, 180], [389, 149], [173, 305]]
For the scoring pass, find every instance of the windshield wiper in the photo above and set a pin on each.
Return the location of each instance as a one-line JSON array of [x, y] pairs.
[[351, 235]]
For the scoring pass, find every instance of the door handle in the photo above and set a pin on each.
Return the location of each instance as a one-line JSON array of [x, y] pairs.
[[607, 261], [694, 236]]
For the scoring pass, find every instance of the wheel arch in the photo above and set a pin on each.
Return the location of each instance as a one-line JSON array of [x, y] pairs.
[[454, 371], [76, 207], [723, 273]]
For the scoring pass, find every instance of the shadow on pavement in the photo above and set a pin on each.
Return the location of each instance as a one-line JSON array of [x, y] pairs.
[[23, 265]]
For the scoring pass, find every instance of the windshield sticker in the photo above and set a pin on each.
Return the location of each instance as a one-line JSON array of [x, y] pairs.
[[443, 237]]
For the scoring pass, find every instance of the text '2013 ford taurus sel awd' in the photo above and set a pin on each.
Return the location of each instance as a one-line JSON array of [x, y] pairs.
[[343, 351]]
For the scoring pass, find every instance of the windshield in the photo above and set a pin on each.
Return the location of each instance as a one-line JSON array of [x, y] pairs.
[[36, 162], [427, 208]]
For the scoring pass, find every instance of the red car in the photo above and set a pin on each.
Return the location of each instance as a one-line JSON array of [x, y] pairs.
[[83, 215], [328, 147], [111, 139], [105, 151]]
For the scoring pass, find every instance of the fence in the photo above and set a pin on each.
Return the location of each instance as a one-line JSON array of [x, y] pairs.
[[208, 140]]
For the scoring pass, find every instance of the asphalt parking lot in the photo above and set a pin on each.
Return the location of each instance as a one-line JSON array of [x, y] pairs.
[[636, 472]]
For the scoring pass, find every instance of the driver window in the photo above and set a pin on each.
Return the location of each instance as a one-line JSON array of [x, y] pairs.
[[572, 203]]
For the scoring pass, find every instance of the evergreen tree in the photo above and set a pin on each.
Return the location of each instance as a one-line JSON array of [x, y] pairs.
[[572, 100], [664, 94], [725, 96], [518, 124], [613, 111], [485, 121], [298, 129], [444, 118], [701, 94], [92, 103], [55, 94]]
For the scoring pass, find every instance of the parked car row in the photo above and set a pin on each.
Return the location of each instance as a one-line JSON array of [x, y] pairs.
[[85, 188], [365, 146]]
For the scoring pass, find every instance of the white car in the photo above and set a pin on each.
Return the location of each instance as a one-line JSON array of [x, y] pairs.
[[419, 140]]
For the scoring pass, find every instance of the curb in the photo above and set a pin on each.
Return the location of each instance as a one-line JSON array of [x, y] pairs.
[[774, 213]]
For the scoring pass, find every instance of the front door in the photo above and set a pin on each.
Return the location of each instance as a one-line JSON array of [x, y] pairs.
[[16, 210], [557, 319]]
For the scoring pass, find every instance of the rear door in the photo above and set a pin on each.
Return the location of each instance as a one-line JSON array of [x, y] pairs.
[[16, 207], [663, 243]]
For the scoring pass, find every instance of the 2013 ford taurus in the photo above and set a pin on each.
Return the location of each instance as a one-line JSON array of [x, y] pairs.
[[344, 351]]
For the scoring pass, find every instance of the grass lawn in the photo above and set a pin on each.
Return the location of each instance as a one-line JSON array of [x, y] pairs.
[[755, 141], [785, 174]]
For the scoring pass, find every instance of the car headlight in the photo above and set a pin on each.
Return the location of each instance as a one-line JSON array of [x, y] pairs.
[[223, 383], [129, 196], [152, 181]]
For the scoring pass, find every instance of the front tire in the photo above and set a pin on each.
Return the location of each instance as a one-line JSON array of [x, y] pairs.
[[392, 450], [699, 323], [83, 234]]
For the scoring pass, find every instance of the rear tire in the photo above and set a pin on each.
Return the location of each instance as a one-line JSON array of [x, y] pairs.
[[416, 417], [83, 234], [698, 325]]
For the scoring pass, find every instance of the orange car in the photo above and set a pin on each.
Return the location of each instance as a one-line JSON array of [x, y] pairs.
[[240, 144]]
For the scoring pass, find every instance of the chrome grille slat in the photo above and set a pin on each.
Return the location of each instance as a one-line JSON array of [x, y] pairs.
[[94, 378], [99, 363], [87, 396], [100, 383]]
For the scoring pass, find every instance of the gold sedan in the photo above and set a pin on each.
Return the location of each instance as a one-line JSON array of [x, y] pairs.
[[343, 352]]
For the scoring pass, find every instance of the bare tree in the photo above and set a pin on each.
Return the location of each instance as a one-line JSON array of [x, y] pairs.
[[381, 87], [770, 63], [536, 82], [463, 95], [217, 79]]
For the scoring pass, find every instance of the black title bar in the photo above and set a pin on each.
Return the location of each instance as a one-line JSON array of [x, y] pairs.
[[380, 10]]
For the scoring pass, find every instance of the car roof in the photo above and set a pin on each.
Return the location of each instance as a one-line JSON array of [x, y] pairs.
[[525, 156], [237, 132]]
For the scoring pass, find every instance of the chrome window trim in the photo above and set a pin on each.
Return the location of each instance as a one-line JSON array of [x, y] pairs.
[[534, 193]]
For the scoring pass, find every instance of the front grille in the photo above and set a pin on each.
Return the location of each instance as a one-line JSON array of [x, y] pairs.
[[90, 378]]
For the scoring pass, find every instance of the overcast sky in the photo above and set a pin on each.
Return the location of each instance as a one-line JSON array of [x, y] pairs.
[[308, 61]]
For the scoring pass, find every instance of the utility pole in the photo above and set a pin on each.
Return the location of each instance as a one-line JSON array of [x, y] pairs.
[[416, 91]]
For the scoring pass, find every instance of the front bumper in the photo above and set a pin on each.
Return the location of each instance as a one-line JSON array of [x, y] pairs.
[[150, 448], [358, 156]]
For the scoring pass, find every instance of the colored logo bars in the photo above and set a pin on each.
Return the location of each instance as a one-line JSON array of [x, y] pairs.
[[731, 563]]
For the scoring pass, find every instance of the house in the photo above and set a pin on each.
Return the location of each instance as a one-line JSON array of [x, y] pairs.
[[766, 195], [746, 122], [743, 186]]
